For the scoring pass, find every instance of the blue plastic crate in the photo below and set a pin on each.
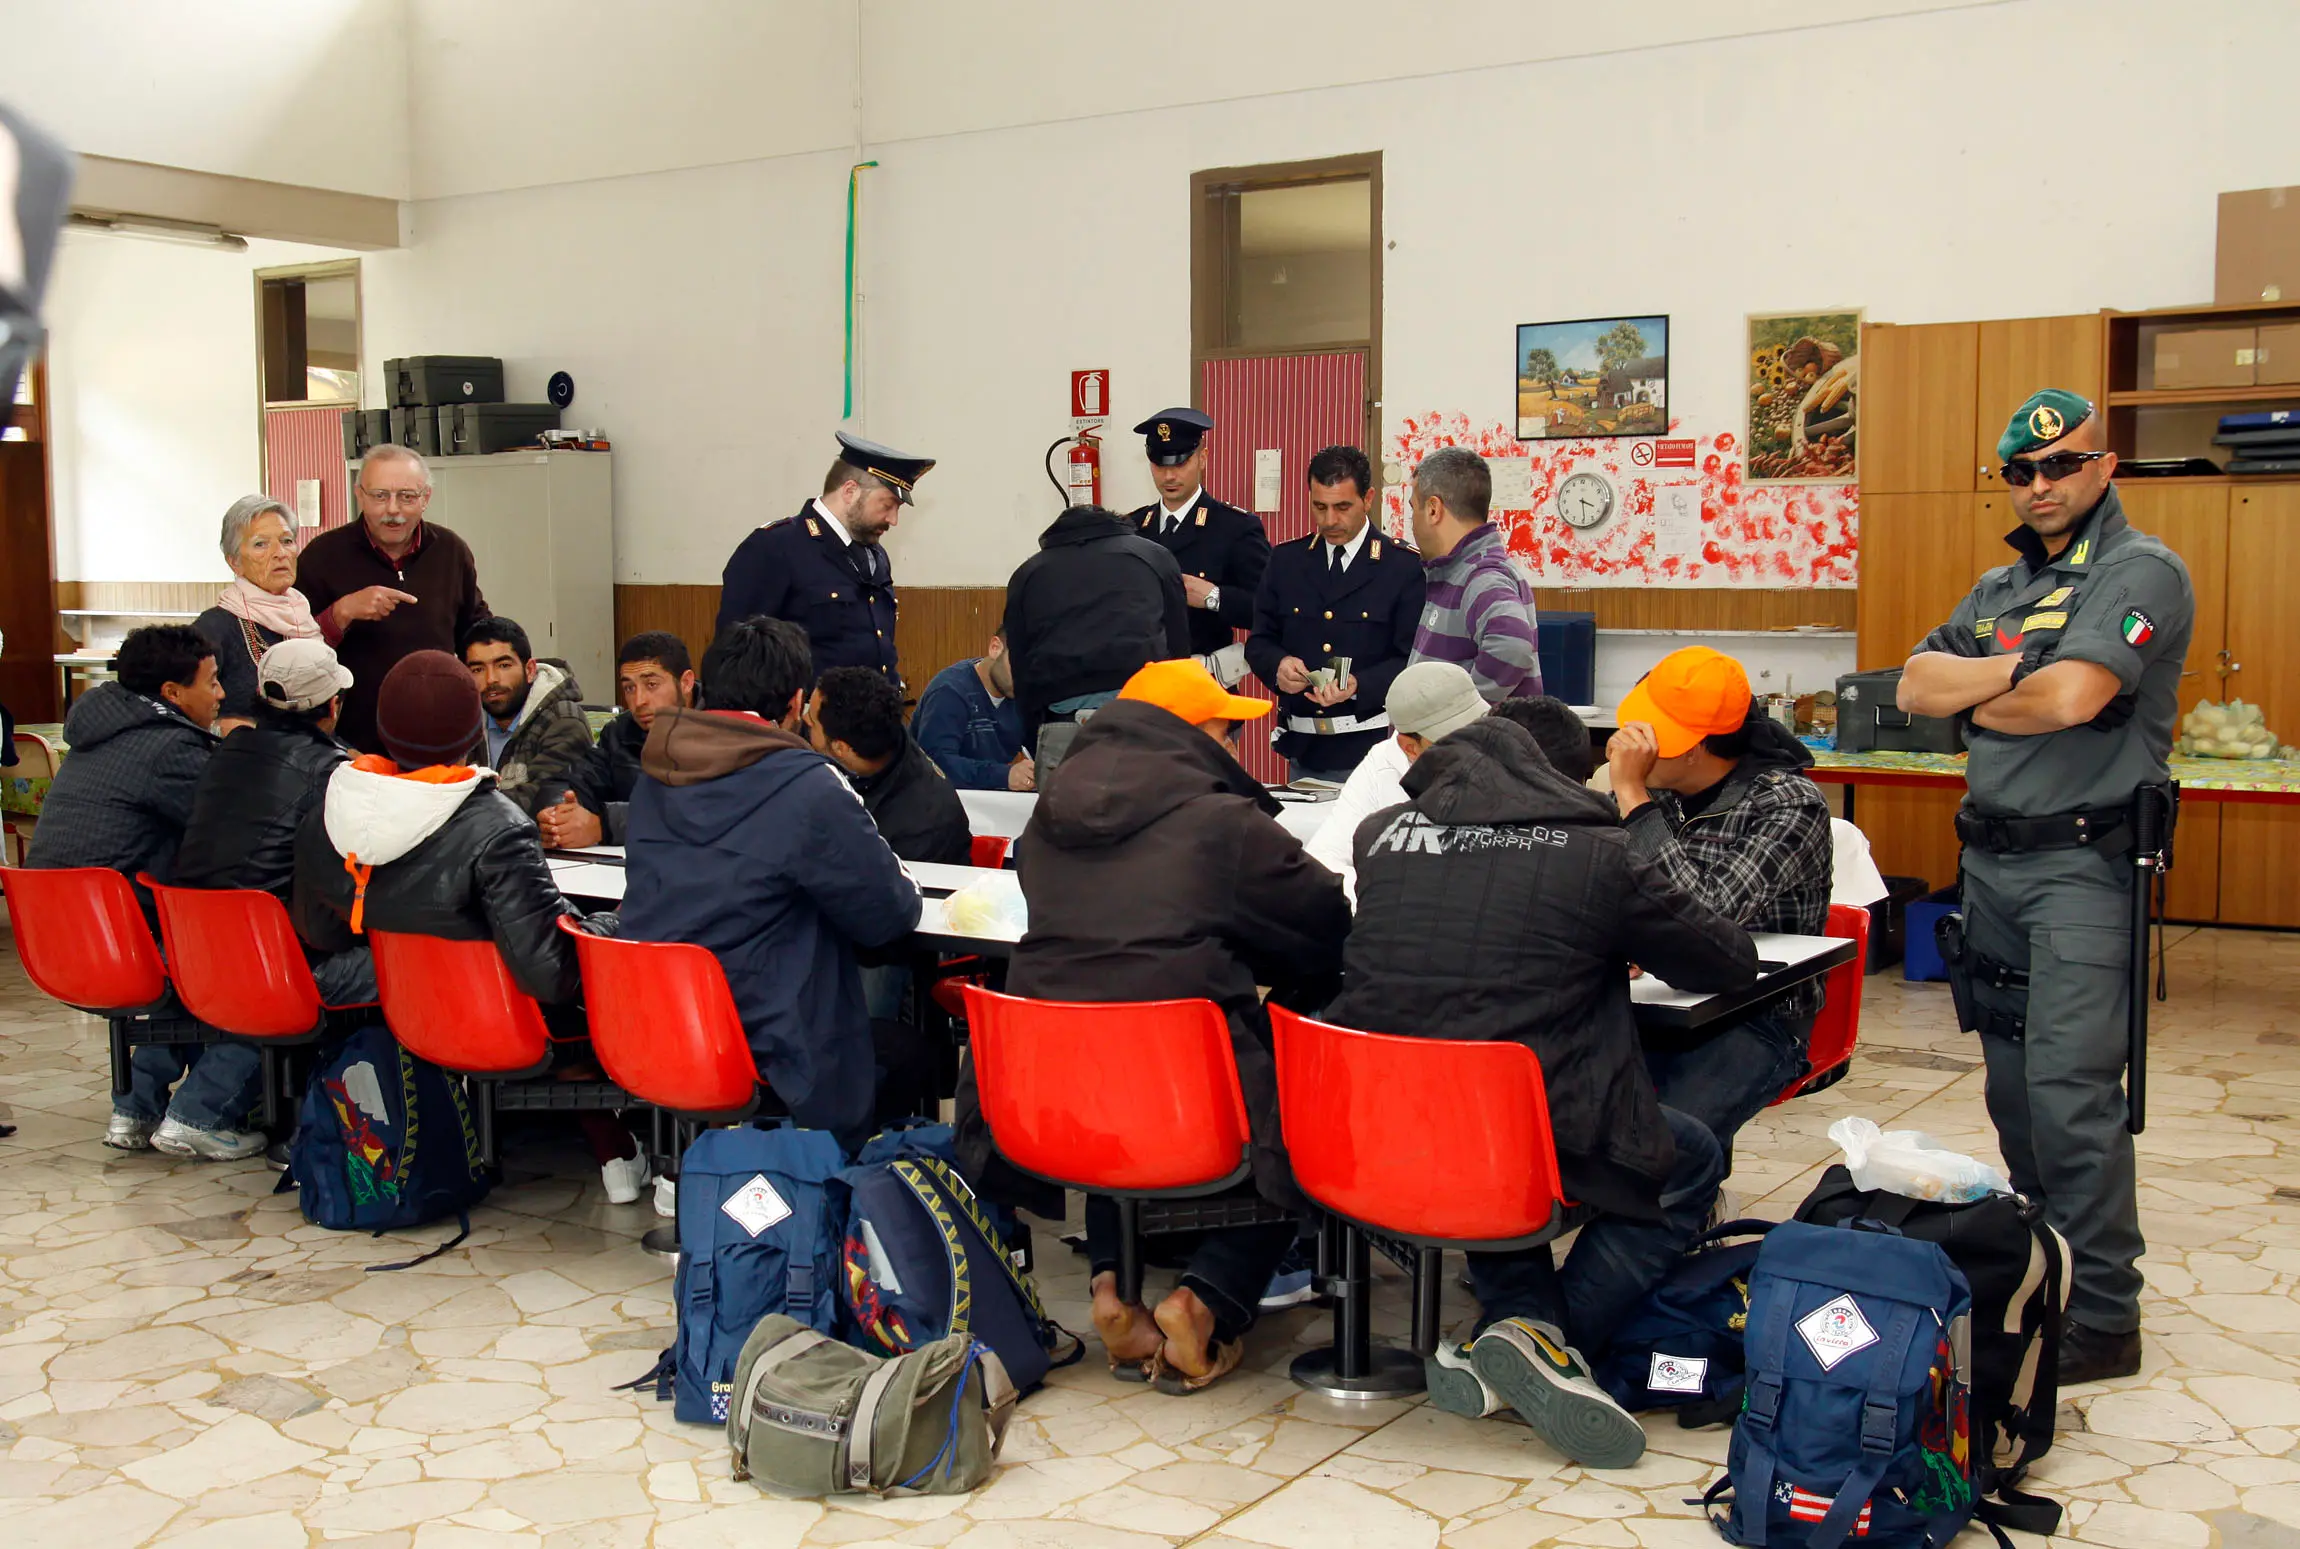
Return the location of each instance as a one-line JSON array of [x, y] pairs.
[[1921, 954], [1566, 644]]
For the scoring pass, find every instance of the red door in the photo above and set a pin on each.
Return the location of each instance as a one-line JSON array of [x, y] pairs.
[[1295, 405]]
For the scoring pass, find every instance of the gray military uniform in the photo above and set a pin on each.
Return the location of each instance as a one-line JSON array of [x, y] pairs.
[[2119, 599]]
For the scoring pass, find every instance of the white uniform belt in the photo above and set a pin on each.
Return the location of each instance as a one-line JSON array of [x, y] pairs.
[[1336, 725]]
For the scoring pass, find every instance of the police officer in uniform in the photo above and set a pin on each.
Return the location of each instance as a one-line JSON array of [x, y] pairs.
[[2065, 665], [823, 569], [1221, 549], [1345, 590]]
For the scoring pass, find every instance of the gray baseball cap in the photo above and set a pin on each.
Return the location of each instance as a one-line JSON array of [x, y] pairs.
[[300, 675], [1431, 699]]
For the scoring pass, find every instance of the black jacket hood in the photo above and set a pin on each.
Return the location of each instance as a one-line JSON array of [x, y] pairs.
[[1493, 772], [1132, 764], [1083, 524], [109, 709]]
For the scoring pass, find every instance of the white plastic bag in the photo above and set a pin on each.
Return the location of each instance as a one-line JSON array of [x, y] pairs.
[[992, 906], [1908, 1161]]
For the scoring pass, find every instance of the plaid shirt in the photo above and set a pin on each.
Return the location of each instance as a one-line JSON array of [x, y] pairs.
[[1759, 854]]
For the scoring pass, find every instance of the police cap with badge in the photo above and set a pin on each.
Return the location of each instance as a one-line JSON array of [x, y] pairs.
[[1171, 435], [899, 471], [2045, 418]]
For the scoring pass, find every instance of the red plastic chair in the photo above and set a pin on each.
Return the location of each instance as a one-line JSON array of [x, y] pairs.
[[83, 940], [237, 963], [1829, 1048], [1136, 1100], [989, 851], [1443, 1143], [664, 1026], [453, 1003]]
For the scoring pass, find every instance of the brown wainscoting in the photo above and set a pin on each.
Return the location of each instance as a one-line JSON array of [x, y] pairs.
[[937, 625], [1704, 607], [163, 596]]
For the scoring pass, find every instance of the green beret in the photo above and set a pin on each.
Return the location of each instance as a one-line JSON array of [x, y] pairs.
[[2044, 419]]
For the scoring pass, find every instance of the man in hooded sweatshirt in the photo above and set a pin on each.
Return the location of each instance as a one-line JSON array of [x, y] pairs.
[[536, 734], [1084, 613], [1155, 868], [413, 840], [1715, 797], [743, 839], [1502, 900]]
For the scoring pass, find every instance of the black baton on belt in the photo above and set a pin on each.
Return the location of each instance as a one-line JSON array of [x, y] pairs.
[[2152, 807]]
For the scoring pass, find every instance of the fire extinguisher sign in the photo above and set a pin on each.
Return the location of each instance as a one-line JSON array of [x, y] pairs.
[[1089, 397]]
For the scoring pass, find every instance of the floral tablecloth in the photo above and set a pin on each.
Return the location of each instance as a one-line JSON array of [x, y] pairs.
[[2263, 776]]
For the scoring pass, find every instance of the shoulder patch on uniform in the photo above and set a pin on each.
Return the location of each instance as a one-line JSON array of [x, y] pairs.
[[1981, 627], [2082, 553], [2056, 596], [2044, 621], [1201, 518], [2138, 628], [814, 528], [1375, 544]]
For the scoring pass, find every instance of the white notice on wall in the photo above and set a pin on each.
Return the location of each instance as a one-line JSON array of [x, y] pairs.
[[307, 502], [1677, 520], [1269, 477], [1512, 483]]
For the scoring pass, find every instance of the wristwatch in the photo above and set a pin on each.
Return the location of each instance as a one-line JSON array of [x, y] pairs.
[[1213, 598]]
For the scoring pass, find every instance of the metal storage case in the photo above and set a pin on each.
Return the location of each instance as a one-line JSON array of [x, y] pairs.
[[420, 381], [363, 431], [1868, 721], [417, 429], [469, 429]]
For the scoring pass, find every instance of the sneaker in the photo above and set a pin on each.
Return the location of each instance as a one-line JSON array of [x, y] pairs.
[[625, 1178], [1454, 1385], [126, 1132], [667, 1198], [2088, 1355], [210, 1145], [1547, 1383], [1290, 1286]]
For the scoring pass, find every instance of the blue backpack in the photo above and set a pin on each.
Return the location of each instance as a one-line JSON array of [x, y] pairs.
[[1682, 1348], [1856, 1422], [925, 1259], [756, 1235], [384, 1141]]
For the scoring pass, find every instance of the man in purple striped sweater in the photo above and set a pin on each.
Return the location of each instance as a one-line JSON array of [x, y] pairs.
[[1478, 611]]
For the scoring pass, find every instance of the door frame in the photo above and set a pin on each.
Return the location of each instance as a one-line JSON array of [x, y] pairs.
[[333, 268], [1212, 239]]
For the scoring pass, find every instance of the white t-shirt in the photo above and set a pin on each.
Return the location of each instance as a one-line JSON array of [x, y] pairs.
[[1372, 786]]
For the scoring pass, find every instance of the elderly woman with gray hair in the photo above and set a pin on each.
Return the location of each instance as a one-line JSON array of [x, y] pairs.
[[261, 607]]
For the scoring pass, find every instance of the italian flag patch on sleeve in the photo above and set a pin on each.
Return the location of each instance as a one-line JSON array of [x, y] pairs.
[[2138, 628]]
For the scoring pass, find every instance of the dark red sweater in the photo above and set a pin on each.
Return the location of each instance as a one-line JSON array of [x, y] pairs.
[[438, 572]]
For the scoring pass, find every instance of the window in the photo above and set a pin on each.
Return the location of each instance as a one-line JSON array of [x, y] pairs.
[[1296, 264], [309, 319]]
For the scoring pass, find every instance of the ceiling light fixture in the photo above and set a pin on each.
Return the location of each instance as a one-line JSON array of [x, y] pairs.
[[159, 228]]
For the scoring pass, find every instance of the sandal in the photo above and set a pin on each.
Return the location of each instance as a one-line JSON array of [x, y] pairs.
[[1170, 1378], [1216, 1360]]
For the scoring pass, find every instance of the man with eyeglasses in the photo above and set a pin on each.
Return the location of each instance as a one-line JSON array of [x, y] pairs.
[[2065, 668], [389, 584]]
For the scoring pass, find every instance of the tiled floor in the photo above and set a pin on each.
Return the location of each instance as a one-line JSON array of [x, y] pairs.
[[182, 1360]]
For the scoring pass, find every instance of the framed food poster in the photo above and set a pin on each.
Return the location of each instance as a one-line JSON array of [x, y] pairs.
[[1804, 397], [1598, 376]]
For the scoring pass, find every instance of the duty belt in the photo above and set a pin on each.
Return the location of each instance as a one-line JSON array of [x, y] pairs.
[[1336, 725], [2104, 828]]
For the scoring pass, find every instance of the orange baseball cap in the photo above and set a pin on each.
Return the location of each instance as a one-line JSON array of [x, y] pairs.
[[1189, 691], [1689, 694]]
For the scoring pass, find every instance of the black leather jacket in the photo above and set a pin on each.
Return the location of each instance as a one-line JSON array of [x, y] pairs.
[[479, 876], [259, 783]]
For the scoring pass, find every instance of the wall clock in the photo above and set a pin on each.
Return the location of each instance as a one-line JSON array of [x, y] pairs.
[[1585, 500]]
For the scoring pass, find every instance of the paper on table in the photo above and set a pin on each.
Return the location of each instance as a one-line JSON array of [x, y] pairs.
[[1512, 483], [1677, 520], [1269, 477]]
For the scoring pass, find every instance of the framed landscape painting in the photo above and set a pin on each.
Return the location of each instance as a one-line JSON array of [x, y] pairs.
[[1597, 376]]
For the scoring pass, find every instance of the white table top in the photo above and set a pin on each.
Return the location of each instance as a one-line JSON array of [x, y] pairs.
[[1788, 951], [1003, 813]]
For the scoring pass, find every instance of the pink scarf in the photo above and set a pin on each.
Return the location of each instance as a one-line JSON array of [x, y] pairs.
[[286, 613]]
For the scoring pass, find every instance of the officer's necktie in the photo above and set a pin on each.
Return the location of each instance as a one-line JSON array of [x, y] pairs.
[[1333, 560]]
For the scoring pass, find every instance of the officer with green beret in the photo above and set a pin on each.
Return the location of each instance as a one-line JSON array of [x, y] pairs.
[[2065, 668]]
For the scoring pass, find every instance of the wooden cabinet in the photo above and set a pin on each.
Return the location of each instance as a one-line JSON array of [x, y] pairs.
[[2192, 521], [1917, 384], [2260, 845], [1916, 563], [2013, 358]]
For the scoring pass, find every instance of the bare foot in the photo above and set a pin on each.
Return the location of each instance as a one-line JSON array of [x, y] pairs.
[[1188, 1324], [1127, 1331]]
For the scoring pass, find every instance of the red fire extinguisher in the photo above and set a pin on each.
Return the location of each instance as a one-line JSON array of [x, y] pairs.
[[1083, 484]]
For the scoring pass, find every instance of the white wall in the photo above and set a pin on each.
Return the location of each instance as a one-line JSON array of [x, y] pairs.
[[152, 402], [310, 92]]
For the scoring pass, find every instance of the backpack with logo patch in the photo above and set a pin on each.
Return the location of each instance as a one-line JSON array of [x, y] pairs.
[[2017, 1266], [756, 1236], [926, 1259], [1682, 1348], [384, 1141], [1855, 1422]]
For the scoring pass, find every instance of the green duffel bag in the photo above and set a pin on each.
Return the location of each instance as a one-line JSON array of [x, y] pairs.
[[817, 1417]]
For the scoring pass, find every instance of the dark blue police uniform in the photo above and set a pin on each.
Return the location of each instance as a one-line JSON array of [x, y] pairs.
[[1367, 612], [1214, 540], [840, 592]]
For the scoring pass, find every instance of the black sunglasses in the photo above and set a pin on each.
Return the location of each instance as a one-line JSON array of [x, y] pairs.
[[2022, 471]]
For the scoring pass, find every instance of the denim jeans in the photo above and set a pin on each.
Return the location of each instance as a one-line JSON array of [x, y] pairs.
[[1615, 1263], [1726, 1078], [1230, 1267], [221, 1082]]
